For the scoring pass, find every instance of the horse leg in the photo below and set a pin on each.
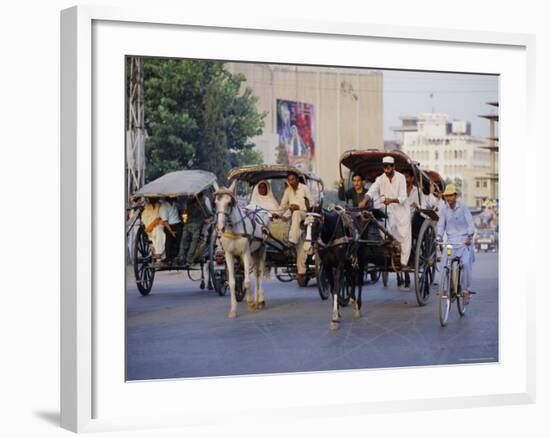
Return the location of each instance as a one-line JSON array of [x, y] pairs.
[[246, 258], [359, 282], [230, 263], [350, 272], [335, 321], [260, 269]]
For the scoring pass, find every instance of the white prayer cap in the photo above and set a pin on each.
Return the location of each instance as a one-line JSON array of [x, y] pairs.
[[388, 160]]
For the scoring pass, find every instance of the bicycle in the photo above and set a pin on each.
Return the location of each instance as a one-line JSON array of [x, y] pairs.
[[449, 287]]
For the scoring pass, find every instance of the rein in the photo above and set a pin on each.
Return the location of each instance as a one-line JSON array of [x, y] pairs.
[[254, 218]]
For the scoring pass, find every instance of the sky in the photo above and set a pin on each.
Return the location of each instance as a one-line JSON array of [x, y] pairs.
[[461, 96]]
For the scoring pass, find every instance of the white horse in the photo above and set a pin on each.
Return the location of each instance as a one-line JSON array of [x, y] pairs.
[[242, 235]]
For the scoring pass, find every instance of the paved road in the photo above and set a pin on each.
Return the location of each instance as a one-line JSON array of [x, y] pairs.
[[181, 331]]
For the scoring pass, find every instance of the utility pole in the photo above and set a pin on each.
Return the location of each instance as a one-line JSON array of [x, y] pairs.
[[135, 133]]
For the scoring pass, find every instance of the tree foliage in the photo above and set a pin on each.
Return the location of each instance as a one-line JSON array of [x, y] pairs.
[[198, 116]]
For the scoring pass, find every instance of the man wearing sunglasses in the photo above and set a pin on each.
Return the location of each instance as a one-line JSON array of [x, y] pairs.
[[390, 189]]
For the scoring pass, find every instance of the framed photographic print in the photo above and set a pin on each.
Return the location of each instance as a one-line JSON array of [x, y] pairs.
[[291, 214]]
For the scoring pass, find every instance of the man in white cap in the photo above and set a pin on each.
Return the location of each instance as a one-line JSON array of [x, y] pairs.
[[390, 188], [455, 221]]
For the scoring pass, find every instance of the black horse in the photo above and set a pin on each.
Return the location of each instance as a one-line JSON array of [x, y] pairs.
[[346, 242], [335, 234]]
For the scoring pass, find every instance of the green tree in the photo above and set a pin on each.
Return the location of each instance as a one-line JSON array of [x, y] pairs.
[[198, 116]]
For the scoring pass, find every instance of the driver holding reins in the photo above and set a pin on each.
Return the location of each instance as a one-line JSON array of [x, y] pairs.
[[298, 200], [391, 189]]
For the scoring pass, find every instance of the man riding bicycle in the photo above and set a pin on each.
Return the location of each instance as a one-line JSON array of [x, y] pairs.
[[455, 220]]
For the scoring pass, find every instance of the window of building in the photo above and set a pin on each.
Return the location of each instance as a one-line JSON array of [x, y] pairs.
[[484, 184], [436, 155], [478, 184]]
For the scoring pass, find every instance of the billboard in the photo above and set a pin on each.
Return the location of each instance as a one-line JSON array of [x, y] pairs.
[[295, 128]]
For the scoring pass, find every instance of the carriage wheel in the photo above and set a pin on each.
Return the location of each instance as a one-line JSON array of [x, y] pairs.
[[144, 270], [216, 277], [424, 262], [285, 275], [322, 281]]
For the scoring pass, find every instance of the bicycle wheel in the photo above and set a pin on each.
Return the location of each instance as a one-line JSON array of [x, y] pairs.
[[445, 286], [459, 297]]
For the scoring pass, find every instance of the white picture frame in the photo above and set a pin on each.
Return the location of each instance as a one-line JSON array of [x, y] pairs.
[[90, 360]]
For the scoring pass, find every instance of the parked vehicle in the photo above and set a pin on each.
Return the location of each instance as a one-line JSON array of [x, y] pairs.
[[486, 240]]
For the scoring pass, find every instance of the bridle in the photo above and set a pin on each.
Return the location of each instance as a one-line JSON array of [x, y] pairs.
[[227, 214]]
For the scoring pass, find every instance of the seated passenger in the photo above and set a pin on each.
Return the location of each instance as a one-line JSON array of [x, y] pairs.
[[263, 197], [356, 193], [171, 221], [151, 221], [197, 215]]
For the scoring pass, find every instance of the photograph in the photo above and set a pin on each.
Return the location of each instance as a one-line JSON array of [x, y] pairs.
[[285, 218]]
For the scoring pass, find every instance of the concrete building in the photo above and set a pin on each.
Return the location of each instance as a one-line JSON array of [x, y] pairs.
[[346, 105], [449, 148]]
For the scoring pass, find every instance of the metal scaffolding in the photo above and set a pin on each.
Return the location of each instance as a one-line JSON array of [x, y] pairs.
[[493, 149], [135, 133]]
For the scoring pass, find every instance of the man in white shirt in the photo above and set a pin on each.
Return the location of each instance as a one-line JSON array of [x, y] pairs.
[[391, 189], [298, 200]]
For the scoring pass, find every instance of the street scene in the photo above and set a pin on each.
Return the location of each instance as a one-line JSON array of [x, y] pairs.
[[285, 218], [182, 331]]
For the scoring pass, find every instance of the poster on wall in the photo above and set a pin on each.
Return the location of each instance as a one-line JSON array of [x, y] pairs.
[[295, 127]]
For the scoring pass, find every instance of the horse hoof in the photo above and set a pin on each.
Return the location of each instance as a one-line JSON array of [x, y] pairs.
[[260, 305], [232, 315], [334, 325], [251, 307], [357, 314]]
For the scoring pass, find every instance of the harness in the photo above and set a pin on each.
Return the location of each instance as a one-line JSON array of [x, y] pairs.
[[355, 228], [254, 218]]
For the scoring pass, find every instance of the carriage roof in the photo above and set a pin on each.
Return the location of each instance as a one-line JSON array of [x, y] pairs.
[[368, 163], [257, 172], [436, 178], [181, 182]]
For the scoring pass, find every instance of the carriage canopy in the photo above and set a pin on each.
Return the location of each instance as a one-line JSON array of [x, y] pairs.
[[254, 173], [179, 183], [277, 173], [368, 163]]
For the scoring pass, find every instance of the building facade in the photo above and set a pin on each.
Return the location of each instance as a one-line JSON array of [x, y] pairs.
[[314, 114], [449, 148]]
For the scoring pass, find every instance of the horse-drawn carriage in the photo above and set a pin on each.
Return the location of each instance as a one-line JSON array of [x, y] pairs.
[[351, 241], [380, 252], [181, 187], [279, 254]]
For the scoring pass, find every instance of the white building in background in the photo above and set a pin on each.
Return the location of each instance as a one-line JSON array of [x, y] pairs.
[[449, 149]]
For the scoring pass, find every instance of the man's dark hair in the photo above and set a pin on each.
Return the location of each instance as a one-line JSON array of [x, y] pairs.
[[408, 172], [354, 174], [293, 173]]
